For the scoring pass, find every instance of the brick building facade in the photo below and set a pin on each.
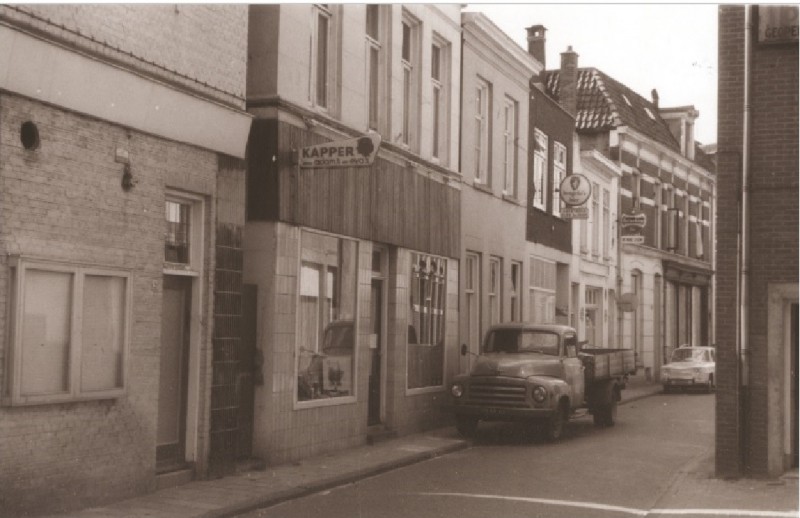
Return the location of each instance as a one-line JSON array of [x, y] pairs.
[[757, 157], [121, 184], [355, 269]]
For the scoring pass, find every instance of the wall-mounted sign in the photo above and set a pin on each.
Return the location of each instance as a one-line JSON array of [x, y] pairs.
[[575, 212], [353, 152], [575, 189], [777, 23], [627, 302], [632, 223]]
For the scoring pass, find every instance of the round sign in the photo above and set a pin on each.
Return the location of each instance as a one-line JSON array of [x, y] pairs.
[[575, 189]]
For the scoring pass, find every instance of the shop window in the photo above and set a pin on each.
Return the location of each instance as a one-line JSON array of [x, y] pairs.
[[326, 332], [70, 332], [426, 329]]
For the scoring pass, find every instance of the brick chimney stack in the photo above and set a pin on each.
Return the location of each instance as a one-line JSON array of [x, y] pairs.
[[536, 47], [654, 94], [568, 81]]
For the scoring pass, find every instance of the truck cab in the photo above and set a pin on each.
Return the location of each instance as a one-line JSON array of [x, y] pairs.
[[535, 372]]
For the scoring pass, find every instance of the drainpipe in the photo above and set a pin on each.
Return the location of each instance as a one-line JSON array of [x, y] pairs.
[[744, 259]]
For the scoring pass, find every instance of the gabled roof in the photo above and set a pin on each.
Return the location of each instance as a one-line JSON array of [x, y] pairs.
[[604, 104]]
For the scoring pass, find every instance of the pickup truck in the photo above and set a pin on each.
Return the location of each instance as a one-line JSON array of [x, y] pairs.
[[539, 373]]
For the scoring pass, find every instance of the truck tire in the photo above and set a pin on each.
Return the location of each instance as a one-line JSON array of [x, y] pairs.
[[466, 426], [606, 415], [554, 426]]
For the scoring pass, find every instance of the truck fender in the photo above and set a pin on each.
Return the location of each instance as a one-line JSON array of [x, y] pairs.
[[558, 388]]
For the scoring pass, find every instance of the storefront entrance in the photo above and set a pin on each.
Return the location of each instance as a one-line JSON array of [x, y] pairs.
[[377, 337]]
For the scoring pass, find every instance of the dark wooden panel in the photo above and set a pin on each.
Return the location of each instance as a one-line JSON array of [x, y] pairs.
[[387, 202]]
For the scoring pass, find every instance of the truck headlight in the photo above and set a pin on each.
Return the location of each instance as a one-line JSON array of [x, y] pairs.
[[457, 390], [539, 394], [664, 374]]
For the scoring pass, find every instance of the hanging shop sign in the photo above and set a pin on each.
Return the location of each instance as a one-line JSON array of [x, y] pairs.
[[574, 191], [355, 152], [778, 23], [632, 223]]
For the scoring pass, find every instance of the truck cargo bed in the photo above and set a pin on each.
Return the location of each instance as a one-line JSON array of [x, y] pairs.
[[603, 364]]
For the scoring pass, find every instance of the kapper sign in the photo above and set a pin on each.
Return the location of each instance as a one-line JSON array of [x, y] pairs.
[[355, 152]]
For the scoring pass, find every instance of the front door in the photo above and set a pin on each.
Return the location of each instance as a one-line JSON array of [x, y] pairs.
[[375, 351], [173, 373]]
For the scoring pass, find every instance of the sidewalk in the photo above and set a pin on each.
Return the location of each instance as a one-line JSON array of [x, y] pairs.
[[243, 492]]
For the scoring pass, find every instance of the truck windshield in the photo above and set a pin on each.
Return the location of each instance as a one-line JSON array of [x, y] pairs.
[[518, 341]]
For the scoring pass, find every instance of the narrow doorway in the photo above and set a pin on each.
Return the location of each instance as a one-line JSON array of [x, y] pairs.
[[173, 374], [375, 350], [794, 384]]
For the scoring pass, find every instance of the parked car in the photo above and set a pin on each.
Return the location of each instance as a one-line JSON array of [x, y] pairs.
[[689, 367]]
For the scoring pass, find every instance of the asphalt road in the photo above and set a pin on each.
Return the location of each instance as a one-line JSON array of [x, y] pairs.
[[511, 472]]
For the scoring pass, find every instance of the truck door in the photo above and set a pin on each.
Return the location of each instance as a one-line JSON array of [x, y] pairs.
[[573, 369]]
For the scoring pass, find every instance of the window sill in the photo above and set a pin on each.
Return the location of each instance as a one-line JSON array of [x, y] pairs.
[[334, 401], [481, 186], [58, 399], [511, 199]]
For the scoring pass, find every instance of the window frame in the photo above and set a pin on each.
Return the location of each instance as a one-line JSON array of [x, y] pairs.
[[596, 220], [515, 296], [337, 289], [494, 292], [197, 219], [559, 173], [483, 130], [441, 297], [374, 71], [324, 11], [472, 294], [440, 100], [20, 266], [540, 150], [409, 62], [510, 139]]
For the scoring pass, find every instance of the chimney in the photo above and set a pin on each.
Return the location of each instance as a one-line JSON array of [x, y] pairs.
[[568, 81], [536, 41], [536, 48], [654, 95]]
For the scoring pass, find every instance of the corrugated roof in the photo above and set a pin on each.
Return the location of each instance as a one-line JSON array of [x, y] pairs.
[[604, 103]]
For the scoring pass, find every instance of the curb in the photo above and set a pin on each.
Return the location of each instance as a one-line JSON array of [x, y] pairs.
[[331, 482]]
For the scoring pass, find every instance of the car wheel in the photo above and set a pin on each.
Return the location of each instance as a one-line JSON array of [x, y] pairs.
[[554, 426], [466, 426]]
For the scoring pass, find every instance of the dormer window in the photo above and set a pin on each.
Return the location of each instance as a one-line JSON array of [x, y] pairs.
[[649, 113]]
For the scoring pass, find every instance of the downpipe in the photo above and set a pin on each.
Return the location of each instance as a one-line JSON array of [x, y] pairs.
[[744, 245]]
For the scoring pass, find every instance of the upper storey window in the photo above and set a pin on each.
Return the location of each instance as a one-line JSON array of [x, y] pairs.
[[322, 58], [559, 173], [409, 59], [540, 170], [483, 94], [374, 59], [510, 147], [440, 51]]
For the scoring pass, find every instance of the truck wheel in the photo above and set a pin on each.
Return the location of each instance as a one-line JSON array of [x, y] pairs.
[[466, 426], [710, 385], [606, 415], [554, 426]]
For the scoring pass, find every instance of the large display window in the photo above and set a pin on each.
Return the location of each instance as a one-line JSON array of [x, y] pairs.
[[426, 329], [326, 313]]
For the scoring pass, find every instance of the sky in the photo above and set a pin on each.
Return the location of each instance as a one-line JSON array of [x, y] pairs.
[[669, 47]]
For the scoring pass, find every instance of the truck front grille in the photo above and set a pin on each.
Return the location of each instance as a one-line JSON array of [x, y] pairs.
[[496, 392]]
